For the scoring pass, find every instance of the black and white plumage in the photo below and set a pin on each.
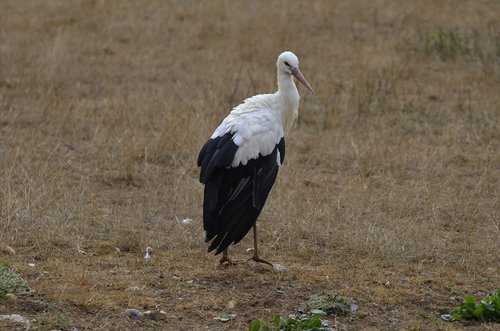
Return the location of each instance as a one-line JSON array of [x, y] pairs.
[[240, 161]]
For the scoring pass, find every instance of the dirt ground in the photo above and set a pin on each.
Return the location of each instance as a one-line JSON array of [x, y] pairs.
[[389, 193]]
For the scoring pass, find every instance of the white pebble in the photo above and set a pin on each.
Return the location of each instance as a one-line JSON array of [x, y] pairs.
[[279, 267], [134, 314], [16, 319], [147, 255]]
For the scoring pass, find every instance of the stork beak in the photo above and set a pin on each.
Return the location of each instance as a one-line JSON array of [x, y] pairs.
[[296, 72]]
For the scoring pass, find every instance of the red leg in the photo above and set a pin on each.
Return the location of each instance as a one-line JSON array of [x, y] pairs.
[[255, 256], [225, 258]]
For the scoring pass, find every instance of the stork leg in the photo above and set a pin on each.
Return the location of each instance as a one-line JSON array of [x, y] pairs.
[[225, 258], [255, 256]]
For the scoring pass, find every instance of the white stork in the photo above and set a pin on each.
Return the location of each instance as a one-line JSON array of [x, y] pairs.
[[240, 161]]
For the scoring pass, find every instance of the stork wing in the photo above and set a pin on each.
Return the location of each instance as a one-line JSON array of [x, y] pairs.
[[234, 196], [216, 153]]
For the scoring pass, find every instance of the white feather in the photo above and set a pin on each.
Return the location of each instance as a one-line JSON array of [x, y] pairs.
[[261, 121]]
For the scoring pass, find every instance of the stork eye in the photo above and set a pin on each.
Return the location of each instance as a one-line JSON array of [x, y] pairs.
[[287, 64]]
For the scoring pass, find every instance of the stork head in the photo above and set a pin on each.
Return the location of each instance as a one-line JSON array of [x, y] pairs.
[[288, 63]]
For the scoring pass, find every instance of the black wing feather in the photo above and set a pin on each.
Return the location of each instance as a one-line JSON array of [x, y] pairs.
[[234, 196], [281, 148], [216, 153]]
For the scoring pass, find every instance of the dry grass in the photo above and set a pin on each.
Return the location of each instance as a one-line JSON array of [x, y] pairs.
[[389, 194]]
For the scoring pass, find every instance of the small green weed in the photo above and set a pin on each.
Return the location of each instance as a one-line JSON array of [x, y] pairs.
[[10, 282], [304, 322], [331, 304], [446, 44], [487, 310], [5, 264], [317, 306]]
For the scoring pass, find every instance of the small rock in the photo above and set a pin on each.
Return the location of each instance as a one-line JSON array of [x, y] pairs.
[[148, 251], [7, 249], [155, 315], [390, 320], [80, 250], [134, 288], [9, 297], [326, 325], [28, 293], [16, 319], [447, 318], [362, 314], [134, 314], [226, 317], [186, 221], [31, 264], [279, 268], [318, 312], [231, 304]]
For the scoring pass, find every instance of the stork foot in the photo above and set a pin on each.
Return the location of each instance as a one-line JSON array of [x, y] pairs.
[[256, 258], [225, 259]]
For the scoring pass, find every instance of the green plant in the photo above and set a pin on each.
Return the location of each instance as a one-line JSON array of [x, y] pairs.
[[487, 310], [331, 304], [317, 306], [304, 322], [10, 282], [446, 44]]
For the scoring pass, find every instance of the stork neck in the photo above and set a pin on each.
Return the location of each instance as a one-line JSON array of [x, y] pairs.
[[289, 95], [286, 84]]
